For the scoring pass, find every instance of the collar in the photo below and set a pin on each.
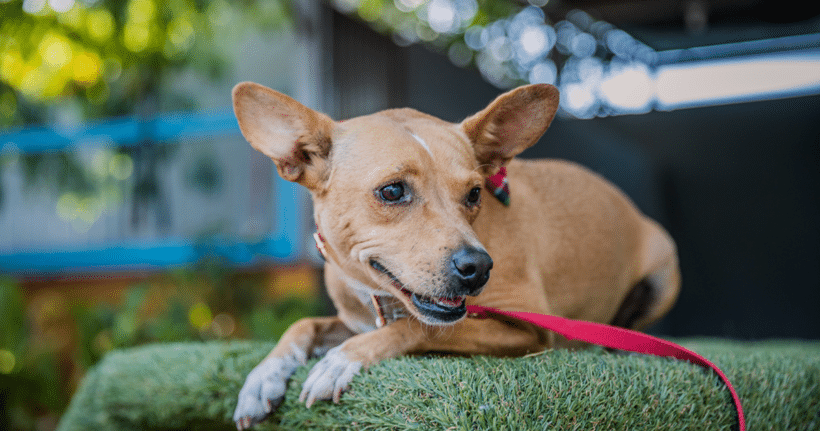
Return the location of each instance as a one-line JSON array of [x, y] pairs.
[[387, 310], [497, 184]]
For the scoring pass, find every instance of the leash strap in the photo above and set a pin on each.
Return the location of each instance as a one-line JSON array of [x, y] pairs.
[[614, 338]]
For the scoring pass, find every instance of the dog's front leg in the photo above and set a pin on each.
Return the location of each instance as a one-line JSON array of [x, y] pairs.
[[332, 375], [265, 386]]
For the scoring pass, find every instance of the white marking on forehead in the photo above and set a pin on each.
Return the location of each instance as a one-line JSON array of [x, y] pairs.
[[423, 144]]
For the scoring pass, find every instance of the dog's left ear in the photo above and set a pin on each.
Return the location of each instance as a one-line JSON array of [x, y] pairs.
[[513, 122]]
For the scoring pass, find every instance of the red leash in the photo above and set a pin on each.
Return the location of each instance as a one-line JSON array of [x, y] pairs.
[[614, 338]]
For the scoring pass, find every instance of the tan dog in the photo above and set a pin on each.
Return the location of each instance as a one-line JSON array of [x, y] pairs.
[[408, 229]]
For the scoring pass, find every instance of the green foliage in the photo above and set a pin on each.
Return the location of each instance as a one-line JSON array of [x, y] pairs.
[[29, 377], [206, 302], [70, 60], [194, 386], [105, 55], [83, 187], [269, 323], [12, 323]]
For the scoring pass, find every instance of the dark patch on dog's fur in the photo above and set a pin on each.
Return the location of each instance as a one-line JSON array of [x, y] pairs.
[[635, 305]]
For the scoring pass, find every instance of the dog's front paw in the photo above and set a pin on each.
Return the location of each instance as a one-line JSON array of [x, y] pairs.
[[263, 391], [329, 377]]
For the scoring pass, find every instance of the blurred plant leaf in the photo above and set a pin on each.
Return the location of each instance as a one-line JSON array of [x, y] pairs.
[[271, 321], [12, 318], [91, 50]]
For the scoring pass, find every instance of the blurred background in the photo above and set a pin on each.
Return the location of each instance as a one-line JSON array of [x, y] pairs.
[[133, 211]]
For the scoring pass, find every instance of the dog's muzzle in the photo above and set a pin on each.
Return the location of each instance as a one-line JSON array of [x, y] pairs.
[[438, 309], [469, 271]]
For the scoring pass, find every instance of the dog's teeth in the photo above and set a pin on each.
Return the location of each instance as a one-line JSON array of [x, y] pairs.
[[449, 302]]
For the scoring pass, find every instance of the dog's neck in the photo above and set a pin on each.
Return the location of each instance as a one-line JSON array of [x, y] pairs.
[[386, 308]]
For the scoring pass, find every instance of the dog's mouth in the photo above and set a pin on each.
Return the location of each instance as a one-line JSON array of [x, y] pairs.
[[439, 310]]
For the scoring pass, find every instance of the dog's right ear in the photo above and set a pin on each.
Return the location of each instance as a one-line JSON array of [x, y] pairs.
[[296, 137]]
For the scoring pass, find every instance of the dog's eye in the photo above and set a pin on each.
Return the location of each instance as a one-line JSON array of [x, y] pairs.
[[393, 193], [474, 197]]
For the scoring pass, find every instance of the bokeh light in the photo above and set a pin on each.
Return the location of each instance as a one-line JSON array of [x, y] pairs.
[[628, 87], [601, 70], [61, 6], [100, 25], [408, 5], [7, 361], [54, 50], [200, 316], [86, 68], [545, 72]]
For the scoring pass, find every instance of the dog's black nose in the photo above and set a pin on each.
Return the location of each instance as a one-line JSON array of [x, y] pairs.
[[471, 268]]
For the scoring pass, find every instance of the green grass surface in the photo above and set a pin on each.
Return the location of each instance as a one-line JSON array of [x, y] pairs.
[[194, 386]]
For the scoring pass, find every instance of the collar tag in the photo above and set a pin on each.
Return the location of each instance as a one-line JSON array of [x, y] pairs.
[[320, 244], [497, 184], [381, 320]]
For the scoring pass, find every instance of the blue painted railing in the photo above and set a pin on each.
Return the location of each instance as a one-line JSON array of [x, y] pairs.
[[124, 131], [283, 245]]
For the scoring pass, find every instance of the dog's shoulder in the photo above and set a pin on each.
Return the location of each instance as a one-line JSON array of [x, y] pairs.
[[548, 173], [564, 183]]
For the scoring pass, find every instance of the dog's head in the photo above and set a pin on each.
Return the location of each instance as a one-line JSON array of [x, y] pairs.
[[395, 193]]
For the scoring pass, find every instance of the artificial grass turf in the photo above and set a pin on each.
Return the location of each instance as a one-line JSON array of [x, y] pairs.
[[194, 386]]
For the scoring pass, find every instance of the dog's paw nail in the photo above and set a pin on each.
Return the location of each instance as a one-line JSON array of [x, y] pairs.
[[263, 390], [329, 378]]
